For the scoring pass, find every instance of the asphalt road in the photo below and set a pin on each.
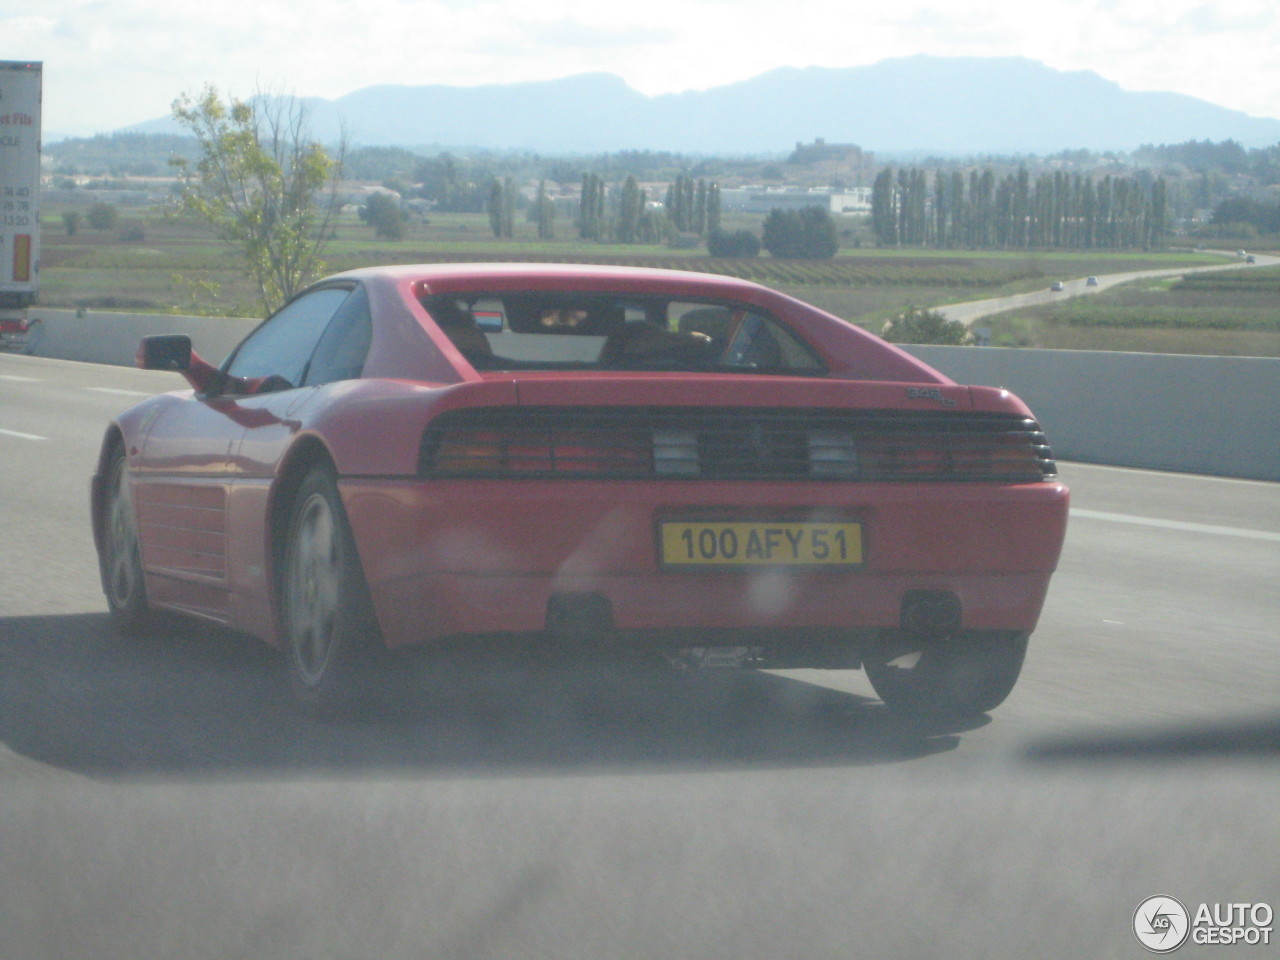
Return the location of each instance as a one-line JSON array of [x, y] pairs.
[[973, 310], [161, 800]]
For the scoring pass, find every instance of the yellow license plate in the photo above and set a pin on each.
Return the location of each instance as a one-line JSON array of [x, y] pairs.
[[746, 544]]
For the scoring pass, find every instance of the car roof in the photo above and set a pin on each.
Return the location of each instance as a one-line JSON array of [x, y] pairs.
[[452, 277]]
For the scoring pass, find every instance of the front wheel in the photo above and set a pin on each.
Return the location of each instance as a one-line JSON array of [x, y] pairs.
[[120, 559], [329, 631], [966, 674]]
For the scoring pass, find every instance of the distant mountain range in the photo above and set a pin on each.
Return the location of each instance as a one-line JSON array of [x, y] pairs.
[[917, 105]]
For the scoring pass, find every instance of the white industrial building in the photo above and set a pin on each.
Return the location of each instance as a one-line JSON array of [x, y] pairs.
[[854, 201]]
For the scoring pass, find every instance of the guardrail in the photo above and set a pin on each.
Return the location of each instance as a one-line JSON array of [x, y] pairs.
[[1213, 415]]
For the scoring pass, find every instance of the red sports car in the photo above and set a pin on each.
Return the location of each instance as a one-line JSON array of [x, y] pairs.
[[643, 461]]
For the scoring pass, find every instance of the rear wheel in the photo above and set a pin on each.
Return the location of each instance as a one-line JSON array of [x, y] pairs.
[[329, 632], [121, 558], [969, 673]]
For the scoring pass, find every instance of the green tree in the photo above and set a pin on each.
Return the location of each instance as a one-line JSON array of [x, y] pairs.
[[699, 222], [502, 207], [103, 216], [693, 206], [818, 233], [778, 234], [450, 184], [71, 222], [544, 213], [591, 222], [674, 204], [917, 208], [915, 325], [714, 209], [258, 185], [958, 214], [740, 243], [1020, 210], [382, 212], [808, 234], [630, 211], [884, 209]]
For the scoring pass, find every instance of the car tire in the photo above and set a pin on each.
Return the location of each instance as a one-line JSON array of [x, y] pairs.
[[967, 674], [121, 558], [330, 636]]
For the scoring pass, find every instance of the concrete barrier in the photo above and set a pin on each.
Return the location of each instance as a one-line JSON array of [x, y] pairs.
[[1214, 415], [97, 337]]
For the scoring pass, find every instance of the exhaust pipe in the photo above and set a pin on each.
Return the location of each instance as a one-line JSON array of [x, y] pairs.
[[930, 614]]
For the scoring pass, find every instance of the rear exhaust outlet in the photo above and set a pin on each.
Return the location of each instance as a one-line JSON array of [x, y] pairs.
[[579, 617], [930, 613], [706, 658]]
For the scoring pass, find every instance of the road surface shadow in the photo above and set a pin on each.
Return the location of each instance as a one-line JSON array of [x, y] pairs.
[[200, 701], [1242, 740]]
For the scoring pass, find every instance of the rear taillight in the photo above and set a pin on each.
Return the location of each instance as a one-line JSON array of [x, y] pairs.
[[559, 453], [900, 457], [958, 455], [736, 445], [995, 457]]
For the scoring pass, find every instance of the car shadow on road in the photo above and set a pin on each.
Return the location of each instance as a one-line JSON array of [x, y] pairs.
[[203, 702], [1254, 739]]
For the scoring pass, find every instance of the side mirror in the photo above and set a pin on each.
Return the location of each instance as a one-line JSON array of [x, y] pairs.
[[172, 352]]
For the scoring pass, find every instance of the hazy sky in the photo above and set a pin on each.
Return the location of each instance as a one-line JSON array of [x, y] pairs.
[[109, 63]]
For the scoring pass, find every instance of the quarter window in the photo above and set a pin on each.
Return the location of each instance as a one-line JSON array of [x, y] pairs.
[[341, 352]]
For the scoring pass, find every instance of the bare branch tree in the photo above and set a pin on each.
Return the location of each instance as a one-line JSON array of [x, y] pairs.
[[262, 184]]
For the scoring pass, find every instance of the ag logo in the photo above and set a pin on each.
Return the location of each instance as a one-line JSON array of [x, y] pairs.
[[1161, 924]]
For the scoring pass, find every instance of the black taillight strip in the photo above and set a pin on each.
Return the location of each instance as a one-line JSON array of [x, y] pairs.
[[747, 443]]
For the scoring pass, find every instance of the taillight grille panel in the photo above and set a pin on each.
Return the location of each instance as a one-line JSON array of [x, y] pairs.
[[735, 444]]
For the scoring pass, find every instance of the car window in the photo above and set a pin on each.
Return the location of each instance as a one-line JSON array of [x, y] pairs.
[[341, 352], [549, 330], [283, 345]]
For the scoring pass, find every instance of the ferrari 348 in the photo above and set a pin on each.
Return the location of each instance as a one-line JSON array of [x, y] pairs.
[[658, 463]]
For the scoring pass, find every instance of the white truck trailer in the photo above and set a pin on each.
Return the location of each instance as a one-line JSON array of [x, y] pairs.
[[20, 93]]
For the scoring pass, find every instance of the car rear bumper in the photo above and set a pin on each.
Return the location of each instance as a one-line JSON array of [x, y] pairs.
[[446, 558]]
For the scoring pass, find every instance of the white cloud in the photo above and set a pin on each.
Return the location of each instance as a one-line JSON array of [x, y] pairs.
[[113, 62]]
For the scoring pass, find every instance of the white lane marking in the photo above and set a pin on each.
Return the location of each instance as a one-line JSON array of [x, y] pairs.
[[1177, 525], [122, 393], [13, 376], [21, 436]]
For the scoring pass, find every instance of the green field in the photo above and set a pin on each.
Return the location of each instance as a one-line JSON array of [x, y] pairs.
[[1227, 313], [172, 266]]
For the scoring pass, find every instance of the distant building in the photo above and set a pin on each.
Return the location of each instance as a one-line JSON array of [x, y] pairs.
[[855, 200], [822, 152]]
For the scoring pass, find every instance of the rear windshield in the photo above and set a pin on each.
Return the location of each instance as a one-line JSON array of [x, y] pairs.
[[594, 331]]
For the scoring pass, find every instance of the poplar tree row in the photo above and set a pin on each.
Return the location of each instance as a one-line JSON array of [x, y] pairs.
[[502, 207], [693, 207], [1056, 210], [620, 215]]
